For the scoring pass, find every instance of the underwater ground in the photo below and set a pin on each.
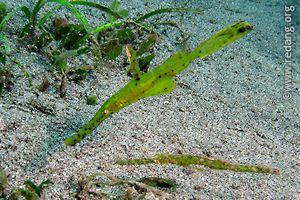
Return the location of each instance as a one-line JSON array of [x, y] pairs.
[[229, 106]]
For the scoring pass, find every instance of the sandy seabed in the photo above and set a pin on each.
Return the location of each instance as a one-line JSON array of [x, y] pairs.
[[229, 106]]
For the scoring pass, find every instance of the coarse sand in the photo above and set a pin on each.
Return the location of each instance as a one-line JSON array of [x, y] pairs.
[[229, 106]]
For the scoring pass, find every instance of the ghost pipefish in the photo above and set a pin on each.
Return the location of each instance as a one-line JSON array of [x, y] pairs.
[[159, 80]]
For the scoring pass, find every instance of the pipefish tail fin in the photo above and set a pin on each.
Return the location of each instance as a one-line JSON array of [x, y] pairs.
[[77, 137], [89, 127]]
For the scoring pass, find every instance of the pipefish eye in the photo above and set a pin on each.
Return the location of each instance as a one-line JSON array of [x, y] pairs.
[[249, 27]]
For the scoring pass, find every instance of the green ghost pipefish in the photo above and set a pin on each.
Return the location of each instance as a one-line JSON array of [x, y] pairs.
[[159, 80]]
